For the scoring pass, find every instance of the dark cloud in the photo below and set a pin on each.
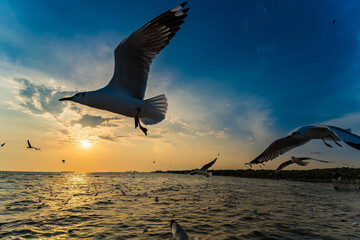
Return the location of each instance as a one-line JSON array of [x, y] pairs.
[[110, 138], [87, 120], [40, 99]]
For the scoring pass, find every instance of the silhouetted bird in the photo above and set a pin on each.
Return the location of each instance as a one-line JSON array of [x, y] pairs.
[[204, 169], [298, 161], [29, 146], [133, 56], [63, 161], [334, 21], [2, 144], [303, 135]]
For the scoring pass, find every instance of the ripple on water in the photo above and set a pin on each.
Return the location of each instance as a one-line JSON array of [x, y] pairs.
[[119, 206]]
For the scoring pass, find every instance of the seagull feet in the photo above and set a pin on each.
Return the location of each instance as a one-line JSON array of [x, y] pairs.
[[137, 122], [327, 143], [335, 141], [143, 129]]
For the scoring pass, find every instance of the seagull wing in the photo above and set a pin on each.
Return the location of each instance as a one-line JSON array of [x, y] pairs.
[[284, 165], [29, 145], [2, 144], [208, 165], [133, 56], [192, 173], [278, 148], [318, 160], [349, 138]]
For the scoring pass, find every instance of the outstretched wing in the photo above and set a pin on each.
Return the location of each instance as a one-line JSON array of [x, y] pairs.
[[284, 165], [318, 160], [29, 145], [348, 137], [208, 165], [278, 148], [133, 56]]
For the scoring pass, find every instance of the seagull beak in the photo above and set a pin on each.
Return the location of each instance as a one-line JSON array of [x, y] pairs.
[[65, 99]]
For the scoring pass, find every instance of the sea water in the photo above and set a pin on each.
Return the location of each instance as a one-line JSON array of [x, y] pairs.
[[122, 205]]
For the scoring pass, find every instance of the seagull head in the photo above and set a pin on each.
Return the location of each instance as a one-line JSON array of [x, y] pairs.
[[79, 98], [172, 222]]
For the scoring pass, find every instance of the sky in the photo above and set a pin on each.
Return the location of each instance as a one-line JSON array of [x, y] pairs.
[[237, 75]]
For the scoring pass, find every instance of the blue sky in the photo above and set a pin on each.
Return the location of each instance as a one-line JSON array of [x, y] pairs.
[[238, 74]]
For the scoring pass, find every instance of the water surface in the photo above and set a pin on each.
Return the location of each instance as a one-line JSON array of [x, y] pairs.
[[121, 205]]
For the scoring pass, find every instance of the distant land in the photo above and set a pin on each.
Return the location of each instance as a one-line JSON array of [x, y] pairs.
[[313, 175]]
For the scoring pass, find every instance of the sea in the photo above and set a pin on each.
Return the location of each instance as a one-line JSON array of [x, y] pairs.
[[141, 205]]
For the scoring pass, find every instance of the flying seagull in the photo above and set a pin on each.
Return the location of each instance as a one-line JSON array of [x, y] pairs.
[[133, 56], [303, 135], [29, 146], [298, 161], [178, 232], [334, 21], [63, 161], [204, 169], [2, 144]]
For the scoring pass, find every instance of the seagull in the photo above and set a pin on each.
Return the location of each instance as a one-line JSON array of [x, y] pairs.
[[298, 161], [334, 21], [203, 170], [133, 56], [178, 232], [146, 229], [63, 161], [2, 144], [29, 146], [303, 135]]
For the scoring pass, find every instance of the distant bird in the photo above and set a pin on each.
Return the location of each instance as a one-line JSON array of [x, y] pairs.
[[177, 231], [63, 161], [153, 161], [204, 169], [298, 161], [29, 146], [2, 144], [334, 21], [303, 135], [146, 229], [133, 56], [156, 199]]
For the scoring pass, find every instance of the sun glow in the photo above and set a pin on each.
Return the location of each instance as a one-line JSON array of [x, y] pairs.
[[85, 144]]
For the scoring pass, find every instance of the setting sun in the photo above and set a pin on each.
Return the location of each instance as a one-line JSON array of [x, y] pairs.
[[85, 144]]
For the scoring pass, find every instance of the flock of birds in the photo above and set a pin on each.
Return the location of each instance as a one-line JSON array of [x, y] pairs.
[[125, 93]]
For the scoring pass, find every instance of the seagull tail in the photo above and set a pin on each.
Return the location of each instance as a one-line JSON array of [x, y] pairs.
[[156, 108]]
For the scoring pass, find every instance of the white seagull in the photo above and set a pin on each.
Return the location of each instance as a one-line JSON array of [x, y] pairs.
[[178, 232], [303, 135], [133, 56], [29, 146], [298, 161], [204, 169]]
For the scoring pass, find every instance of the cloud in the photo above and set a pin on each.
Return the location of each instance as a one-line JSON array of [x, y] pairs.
[[87, 120], [40, 99], [110, 138]]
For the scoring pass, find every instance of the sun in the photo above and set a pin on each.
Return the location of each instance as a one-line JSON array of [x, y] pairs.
[[85, 144]]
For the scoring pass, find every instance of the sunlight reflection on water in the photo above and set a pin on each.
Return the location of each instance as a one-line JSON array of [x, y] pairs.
[[121, 205]]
